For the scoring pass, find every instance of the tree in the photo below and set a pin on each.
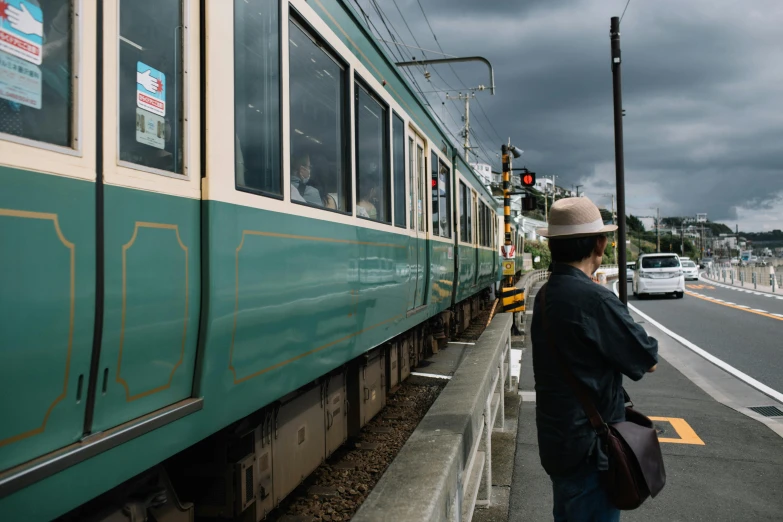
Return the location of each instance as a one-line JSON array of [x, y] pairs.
[[634, 223], [539, 249]]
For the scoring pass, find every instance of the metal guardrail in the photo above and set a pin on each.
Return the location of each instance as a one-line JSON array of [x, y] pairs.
[[438, 472], [742, 275]]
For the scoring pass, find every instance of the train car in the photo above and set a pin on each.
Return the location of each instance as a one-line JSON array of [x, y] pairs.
[[227, 230]]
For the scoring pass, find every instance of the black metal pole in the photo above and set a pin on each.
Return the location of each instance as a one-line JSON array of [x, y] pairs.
[[618, 155]]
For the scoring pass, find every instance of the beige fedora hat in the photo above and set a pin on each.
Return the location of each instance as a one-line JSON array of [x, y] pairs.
[[575, 217]]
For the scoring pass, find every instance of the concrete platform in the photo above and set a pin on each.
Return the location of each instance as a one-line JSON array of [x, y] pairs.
[[722, 463]]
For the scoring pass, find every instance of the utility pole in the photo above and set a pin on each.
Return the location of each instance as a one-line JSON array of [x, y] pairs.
[[614, 37], [614, 222], [466, 131], [577, 190], [658, 228], [546, 198]]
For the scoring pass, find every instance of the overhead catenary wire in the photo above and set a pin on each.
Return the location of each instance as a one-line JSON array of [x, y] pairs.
[[624, 10], [396, 41]]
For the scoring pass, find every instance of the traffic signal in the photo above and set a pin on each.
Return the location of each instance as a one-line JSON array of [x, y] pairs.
[[528, 203], [528, 179]]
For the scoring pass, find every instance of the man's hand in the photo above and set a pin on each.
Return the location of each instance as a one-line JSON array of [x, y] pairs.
[[652, 369]]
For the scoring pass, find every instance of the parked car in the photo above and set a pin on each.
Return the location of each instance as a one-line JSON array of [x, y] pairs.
[[629, 268], [689, 270], [659, 274]]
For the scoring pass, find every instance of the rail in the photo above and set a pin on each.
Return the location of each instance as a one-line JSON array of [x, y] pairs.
[[438, 473]]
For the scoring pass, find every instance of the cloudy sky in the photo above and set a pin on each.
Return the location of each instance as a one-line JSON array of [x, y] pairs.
[[702, 90]]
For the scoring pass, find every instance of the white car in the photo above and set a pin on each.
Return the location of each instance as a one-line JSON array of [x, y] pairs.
[[690, 270], [659, 274]]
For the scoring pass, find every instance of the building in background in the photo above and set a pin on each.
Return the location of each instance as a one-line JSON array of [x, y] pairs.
[[701, 218], [484, 173], [545, 185]]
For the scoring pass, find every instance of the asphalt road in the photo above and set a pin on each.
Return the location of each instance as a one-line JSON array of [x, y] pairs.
[[737, 327]]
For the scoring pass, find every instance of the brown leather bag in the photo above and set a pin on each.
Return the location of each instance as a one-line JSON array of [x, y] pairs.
[[635, 460]]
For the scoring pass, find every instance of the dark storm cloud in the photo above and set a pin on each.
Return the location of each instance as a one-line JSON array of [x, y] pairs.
[[702, 87]]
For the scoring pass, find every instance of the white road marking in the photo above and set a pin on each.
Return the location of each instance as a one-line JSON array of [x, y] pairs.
[[432, 375], [458, 342], [729, 302], [757, 310], [742, 306], [528, 396], [747, 379], [778, 315]]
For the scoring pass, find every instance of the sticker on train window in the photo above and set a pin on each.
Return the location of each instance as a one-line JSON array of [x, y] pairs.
[[21, 30], [150, 89], [20, 81], [150, 129]]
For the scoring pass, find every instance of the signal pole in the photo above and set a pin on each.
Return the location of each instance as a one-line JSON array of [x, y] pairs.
[[507, 202], [614, 37], [658, 228]]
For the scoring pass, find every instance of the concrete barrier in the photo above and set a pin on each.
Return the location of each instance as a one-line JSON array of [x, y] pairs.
[[437, 474]]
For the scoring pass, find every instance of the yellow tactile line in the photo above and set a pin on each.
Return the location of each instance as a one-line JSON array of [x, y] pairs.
[[749, 310]]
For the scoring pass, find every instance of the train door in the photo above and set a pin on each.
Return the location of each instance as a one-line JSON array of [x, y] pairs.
[[47, 226], [418, 177], [151, 208]]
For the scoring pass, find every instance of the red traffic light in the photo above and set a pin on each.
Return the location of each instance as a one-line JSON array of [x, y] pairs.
[[528, 179]]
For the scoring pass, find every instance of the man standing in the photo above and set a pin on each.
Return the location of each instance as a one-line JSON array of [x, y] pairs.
[[596, 338]]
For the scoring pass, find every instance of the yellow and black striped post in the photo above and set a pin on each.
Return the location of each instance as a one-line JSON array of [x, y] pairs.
[[511, 298]]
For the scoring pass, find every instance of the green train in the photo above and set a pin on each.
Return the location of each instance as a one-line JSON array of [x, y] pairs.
[[196, 312]]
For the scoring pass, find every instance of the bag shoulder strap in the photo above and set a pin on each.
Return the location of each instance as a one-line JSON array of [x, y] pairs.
[[578, 388]]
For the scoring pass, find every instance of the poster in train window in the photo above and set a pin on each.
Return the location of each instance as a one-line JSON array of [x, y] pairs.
[[150, 89], [20, 81], [150, 129], [21, 30]]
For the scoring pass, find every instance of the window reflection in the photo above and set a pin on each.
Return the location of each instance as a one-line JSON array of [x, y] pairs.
[[441, 204], [319, 172], [399, 171], [463, 213], [151, 84], [373, 191], [36, 70], [257, 96]]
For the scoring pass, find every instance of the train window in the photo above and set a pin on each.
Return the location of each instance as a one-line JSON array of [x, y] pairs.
[[482, 217], [257, 96], [398, 130], [151, 84], [320, 174], [373, 187], [486, 225], [463, 214], [441, 198], [36, 65], [468, 221], [411, 174], [422, 166]]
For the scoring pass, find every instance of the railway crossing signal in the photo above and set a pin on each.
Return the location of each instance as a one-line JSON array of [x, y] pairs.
[[528, 179]]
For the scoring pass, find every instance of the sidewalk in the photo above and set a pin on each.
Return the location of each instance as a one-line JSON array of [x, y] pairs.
[[721, 465]]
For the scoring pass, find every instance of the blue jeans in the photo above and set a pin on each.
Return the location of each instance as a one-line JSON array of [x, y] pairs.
[[581, 498]]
